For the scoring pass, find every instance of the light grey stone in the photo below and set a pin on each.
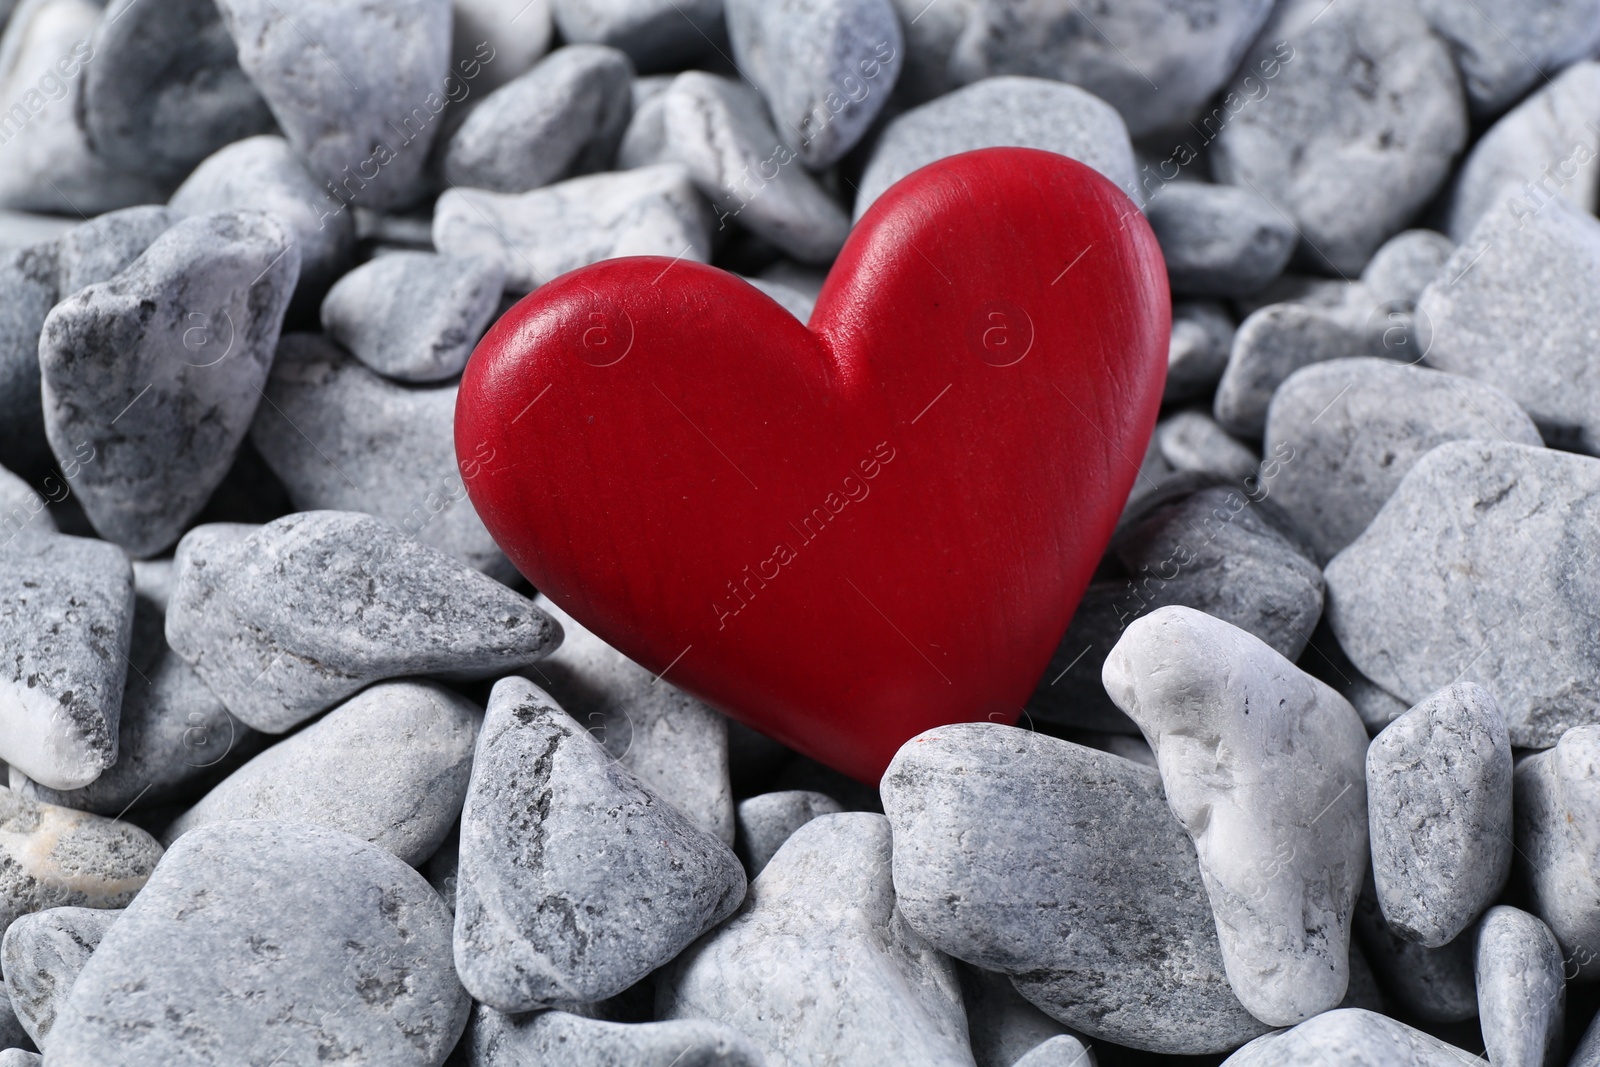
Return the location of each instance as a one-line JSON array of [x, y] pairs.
[[1263, 766], [1439, 813], [657, 34], [1002, 1025], [1518, 520], [18, 1057], [66, 617], [1192, 441], [566, 116], [1404, 265], [537, 235], [1202, 337], [43, 954], [572, 1040], [1270, 345], [340, 436], [819, 956], [1350, 1037], [644, 142], [103, 247], [826, 68], [18, 229], [1086, 891], [767, 820], [270, 936], [931, 32], [793, 301], [1062, 1051], [575, 880], [1358, 131], [1219, 240], [1431, 984], [1349, 430], [27, 293], [1330, 294], [414, 316], [1504, 48], [1000, 112], [1557, 805], [160, 369], [22, 510], [517, 33], [285, 620], [1522, 993]]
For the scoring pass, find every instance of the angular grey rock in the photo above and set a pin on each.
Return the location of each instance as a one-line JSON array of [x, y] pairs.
[[656, 34], [103, 247], [54, 857], [1522, 992], [1274, 800], [1404, 265], [1439, 813], [1350, 430], [357, 107], [517, 33], [1499, 65], [825, 68], [66, 616], [1432, 984], [258, 935], [43, 954], [1358, 131], [605, 881], [537, 235], [1002, 1026], [1350, 1036], [414, 316], [997, 112], [818, 956], [389, 766], [1219, 240], [676, 745], [1192, 441], [165, 89], [161, 369], [1086, 893], [566, 116], [22, 511], [1270, 345], [1202, 336], [1557, 805], [718, 128], [342, 437], [27, 293], [767, 820], [287, 619], [1526, 627], [572, 1040]]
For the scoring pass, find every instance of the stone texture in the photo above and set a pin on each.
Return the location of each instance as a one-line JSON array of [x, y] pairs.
[[573, 1040], [1202, 336], [1504, 48], [1430, 984], [766, 821], [1557, 805], [1192, 441], [27, 293], [1404, 265], [1270, 345], [103, 247], [22, 511], [1350, 1037], [1219, 240], [1522, 993], [43, 954], [656, 34], [1002, 1026]]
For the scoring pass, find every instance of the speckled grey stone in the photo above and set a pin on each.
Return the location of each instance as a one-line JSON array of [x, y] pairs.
[[998, 112], [1526, 627], [340, 436], [657, 34], [43, 954], [1350, 1037], [1219, 240], [1522, 993], [573, 1040], [27, 293], [767, 820], [1439, 813], [66, 616], [566, 116], [1431, 984], [414, 316], [1270, 345], [103, 247], [1358, 131], [1192, 441], [1504, 48], [819, 956], [287, 619], [1352, 428], [1086, 892], [1202, 336], [281, 936], [161, 369], [1002, 1026], [517, 33], [1557, 805], [22, 510], [651, 211], [1404, 265], [1263, 765], [575, 881]]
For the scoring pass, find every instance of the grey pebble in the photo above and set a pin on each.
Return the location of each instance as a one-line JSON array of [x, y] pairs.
[[1270, 345], [18, 229], [1002, 1026], [160, 370], [566, 116], [1192, 441], [1363, 991], [656, 34], [1086, 892], [27, 293], [22, 509], [285, 620], [261, 935], [414, 316], [340, 436], [1202, 337], [516, 33], [1062, 1051], [573, 1040], [1432, 984], [17, 1057], [1525, 627], [1557, 809], [645, 140], [767, 820], [1522, 993], [1219, 240], [103, 247], [43, 954], [1290, 287], [1404, 265], [575, 880], [1350, 1037], [1503, 47]]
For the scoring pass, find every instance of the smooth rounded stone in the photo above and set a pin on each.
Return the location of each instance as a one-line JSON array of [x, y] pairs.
[[1061, 1051], [571, 1040], [165, 89], [1499, 64], [1359, 130], [1439, 813], [414, 316], [1404, 265], [1086, 891], [1002, 1026], [537, 235], [103, 247], [575, 880], [161, 369], [1192, 441], [1274, 800], [1355, 427], [1350, 1037], [1526, 627], [43, 954], [285, 937], [285, 620], [1432, 984], [339, 436], [27, 293], [819, 960], [826, 68], [1002, 112], [1512, 308], [645, 140], [767, 820], [18, 1057], [1557, 805], [566, 116], [1219, 240], [389, 766], [66, 617], [18, 229], [1270, 345], [656, 34], [22, 511], [793, 301], [517, 32], [1522, 992], [719, 130], [676, 745]]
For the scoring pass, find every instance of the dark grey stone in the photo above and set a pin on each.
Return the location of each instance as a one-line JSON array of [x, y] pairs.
[[1557, 805], [1432, 984], [1219, 240], [1202, 336], [43, 954], [27, 293], [1522, 992], [1002, 1026], [656, 34], [767, 820], [1270, 345]]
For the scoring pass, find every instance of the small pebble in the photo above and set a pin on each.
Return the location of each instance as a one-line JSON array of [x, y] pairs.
[[656, 34], [766, 821], [17, 1057], [498, 39], [1270, 345], [1404, 265], [1557, 805], [22, 510], [103, 247], [1192, 441], [43, 954], [1432, 984], [571, 1040], [1522, 993], [1499, 64], [1219, 240], [1350, 1037], [1062, 1051], [1202, 336]]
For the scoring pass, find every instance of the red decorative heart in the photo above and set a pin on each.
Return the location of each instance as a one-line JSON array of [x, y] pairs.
[[847, 534]]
